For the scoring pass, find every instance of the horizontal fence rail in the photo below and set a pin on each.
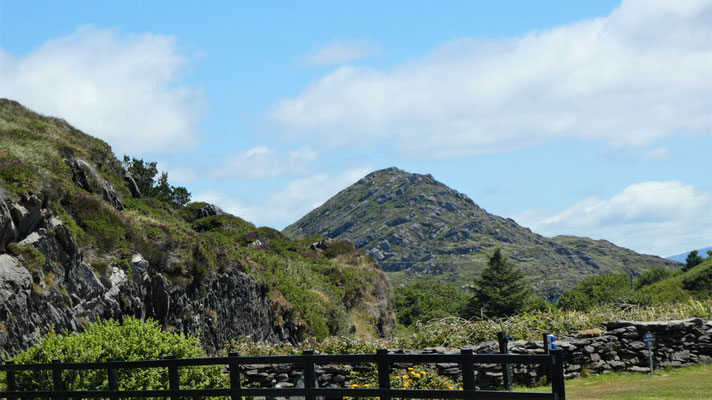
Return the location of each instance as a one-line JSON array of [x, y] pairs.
[[467, 360]]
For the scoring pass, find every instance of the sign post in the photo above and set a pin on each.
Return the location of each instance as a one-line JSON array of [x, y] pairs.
[[649, 340]]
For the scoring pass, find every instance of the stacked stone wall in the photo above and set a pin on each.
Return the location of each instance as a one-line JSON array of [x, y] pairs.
[[619, 347]]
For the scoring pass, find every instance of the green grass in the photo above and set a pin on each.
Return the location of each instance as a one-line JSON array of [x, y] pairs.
[[675, 384]]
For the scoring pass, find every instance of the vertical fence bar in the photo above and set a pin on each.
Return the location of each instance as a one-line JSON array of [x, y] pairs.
[[173, 379], [547, 370], [468, 374], [11, 384], [234, 366], [506, 368], [113, 379], [309, 374], [556, 366], [384, 371], [57, 379]]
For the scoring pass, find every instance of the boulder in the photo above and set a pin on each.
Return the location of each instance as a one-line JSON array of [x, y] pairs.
[[209, 211]]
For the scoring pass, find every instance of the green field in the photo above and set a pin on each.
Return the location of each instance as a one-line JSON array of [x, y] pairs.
[[678, 384]]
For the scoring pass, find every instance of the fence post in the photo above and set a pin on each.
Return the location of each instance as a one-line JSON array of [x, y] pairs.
[[173, 379], [468, 374], [57, 379], [309, 374], [113, 379], [506, 368], [556, 365], [11, 384], [384, 371], [547, 370], [234, 367]]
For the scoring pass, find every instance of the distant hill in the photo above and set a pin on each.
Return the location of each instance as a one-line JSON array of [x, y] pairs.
[[682, 256], [416, 226]]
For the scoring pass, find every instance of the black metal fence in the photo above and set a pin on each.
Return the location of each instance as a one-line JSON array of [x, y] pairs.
[[553, 361]]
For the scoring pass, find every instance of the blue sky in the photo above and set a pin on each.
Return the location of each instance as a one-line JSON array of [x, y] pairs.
[[584, 118]]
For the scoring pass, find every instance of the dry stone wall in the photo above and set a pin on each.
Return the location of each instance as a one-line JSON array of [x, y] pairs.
[[619, 348]]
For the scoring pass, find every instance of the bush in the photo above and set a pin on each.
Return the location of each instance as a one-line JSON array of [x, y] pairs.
[[424, 300], [651, 276], [600, 290], [132, 340]]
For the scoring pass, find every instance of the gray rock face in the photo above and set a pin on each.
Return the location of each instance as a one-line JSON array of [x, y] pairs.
[[133, 187], [86, 177], [232, 305], [8, 232], [209, 211], [26, 215], [15, 280]]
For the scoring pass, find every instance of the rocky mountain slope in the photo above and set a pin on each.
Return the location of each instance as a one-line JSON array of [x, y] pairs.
[[79, 242], [416, 226]]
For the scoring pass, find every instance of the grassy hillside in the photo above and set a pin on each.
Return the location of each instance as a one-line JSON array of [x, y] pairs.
[[322, 292], [417, 227]]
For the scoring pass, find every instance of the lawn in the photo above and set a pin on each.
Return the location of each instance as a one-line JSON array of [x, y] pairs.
[[678, 384]]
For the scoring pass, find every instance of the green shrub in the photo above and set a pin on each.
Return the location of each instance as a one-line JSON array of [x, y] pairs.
[[338, 247], [599, 290], [101, 222], [425, 300], [132, 340], [668, 291], [651, 276]]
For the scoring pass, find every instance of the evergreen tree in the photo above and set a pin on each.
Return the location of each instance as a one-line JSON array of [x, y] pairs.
[[692, 259], [144, 173], [499, 291]]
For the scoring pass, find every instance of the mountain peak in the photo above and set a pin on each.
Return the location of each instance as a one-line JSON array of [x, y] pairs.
[[416, 226]]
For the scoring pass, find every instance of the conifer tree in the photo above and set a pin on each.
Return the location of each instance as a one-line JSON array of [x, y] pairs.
[[499, 291]]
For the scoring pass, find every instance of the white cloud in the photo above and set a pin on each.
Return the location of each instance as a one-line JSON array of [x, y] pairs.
[[341, 51], [283, 207], [659, 153], [177, 174], [640, 74], [264, 162], [124, 89], [651, 217]]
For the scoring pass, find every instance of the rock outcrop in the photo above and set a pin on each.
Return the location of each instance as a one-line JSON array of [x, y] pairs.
[[87, 178], [65, 293]]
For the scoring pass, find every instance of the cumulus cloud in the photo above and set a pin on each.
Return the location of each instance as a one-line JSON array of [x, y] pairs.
[[264, 162], [124, 89], [660, 218], [285, 206], [634, 76], [177, 174], [340, 51]]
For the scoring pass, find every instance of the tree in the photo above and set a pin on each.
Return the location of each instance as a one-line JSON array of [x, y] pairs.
[[692, 259], [499, 291], [144, 173]]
